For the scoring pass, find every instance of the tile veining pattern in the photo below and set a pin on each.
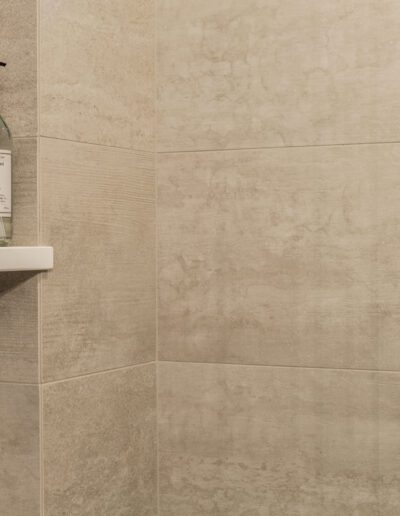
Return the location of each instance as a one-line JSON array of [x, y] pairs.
[[278, 257], [263, 73]]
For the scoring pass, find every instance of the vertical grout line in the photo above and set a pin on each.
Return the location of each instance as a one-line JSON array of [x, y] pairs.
[[38, 184], [41, 442], [157, 442], [156, 251], [39, 238], [38, 221], [156, 168]]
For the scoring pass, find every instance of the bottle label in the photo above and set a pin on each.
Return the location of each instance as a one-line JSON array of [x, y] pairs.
[[5, 183]]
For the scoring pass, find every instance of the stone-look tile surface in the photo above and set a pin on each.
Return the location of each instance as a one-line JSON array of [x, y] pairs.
[[19, 450], [100, 86], [99, 440], [18, 292], [18, 88], [281, 257], [98, 305], [256, 441], [256, 73]]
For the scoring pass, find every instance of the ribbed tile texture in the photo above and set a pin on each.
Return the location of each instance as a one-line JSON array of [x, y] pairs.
[[98, 305]]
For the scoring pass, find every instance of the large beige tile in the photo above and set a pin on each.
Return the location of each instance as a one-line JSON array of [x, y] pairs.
[[19, 450], [19, 292], [99, 444], [100, 86], [256, 441], [18, 90], [281, 257], [98, 305], [256, 73]]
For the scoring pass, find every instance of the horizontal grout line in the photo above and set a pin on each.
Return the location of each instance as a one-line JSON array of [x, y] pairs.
[[244, 149], [279, 366], [6, 382], [69, 378], [133, 149], [191, 151], [236, 364], [97, 373], [150, 152]]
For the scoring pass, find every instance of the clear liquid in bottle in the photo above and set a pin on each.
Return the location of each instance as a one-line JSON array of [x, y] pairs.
[[5, 185]]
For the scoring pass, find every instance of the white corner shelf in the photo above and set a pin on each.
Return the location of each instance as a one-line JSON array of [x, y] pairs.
[[26, 259]]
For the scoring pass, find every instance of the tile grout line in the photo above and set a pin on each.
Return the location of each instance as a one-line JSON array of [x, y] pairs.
[[158, 509], [98, 373], [194, 151], [43, 136], [40, 279], [234, 364], [280, 366], [131, 149], [272, 147], [9, 382], [71, 378], [41, 449]]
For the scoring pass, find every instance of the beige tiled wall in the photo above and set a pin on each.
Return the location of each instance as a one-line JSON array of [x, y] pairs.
[[277, 267], [272, 257]]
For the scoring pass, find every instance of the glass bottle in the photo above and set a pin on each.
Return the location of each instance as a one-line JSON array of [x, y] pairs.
[[5, 184]]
